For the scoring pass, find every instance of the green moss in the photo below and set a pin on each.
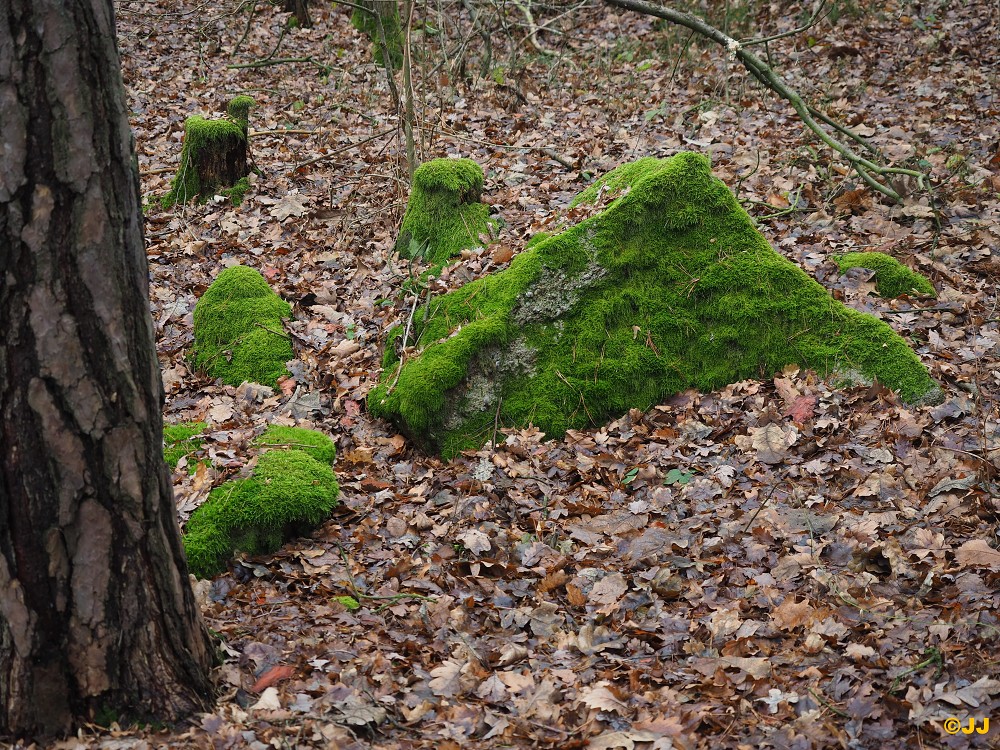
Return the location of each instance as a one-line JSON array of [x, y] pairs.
[[444, 214], [237, 192], [316, 444], [892, 278], [619, 180], [179, 440], [367, 22], [239, 108], [204, 139], [348, 601], [670, 287], [238, 330], [288, 494]]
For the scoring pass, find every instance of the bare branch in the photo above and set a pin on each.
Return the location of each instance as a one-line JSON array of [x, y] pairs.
[[866, 169]]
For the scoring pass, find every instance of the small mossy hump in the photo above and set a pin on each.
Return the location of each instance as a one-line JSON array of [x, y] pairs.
[[239, 110], [669, 287], [892, 278], [316, 444], [444, 215], [239, 331], [290, 492]]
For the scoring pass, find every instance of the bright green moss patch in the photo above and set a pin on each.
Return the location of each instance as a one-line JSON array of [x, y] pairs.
[[213, 157], [238, 110], [367, 22], [316, 444], [238, 331], [237, 192], [179, 440], [444, 215], [289, 493], [619, 180], [670, 287], [892, 278]]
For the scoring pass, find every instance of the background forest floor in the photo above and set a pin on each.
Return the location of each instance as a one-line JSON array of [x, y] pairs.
[[660, 582]]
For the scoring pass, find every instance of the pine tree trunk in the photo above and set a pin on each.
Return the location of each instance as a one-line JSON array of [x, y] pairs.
[[97, 618]]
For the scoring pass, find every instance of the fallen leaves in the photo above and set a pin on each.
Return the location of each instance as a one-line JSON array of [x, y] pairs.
[[640, 584], [977, 553]]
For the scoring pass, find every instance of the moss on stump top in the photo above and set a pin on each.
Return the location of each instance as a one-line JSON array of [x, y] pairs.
[[670, 287], [444, 215], [238, 330], [892, 278], [291, 490]]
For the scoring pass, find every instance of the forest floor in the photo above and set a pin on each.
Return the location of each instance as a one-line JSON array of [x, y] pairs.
[[658, 582]]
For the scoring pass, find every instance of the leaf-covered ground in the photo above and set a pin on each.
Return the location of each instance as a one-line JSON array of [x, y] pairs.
[[778, 564]]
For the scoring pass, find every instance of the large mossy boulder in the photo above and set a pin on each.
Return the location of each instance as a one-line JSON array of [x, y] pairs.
[[239, 333], [291, 490], [892, 278], [670, 287], [444, 215], [214, 157]]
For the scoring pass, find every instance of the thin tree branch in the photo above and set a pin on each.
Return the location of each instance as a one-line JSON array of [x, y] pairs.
[[865, 168], [804, 27]]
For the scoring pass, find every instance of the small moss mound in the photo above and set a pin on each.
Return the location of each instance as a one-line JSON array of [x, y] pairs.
[[892, 278], [316, 444], [213, 157], [179, 440], [367, 22], [289, 493], [444, 215], [238, 331], [670, 287]]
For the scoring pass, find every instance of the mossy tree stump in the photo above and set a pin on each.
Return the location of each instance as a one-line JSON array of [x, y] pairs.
[[444, 215], [300, 12], [239, 332], [379, 21], [214, 157], [670, 287]]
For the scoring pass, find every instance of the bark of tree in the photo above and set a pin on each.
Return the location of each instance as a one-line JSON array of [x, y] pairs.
[[299, 9], [97, 618]]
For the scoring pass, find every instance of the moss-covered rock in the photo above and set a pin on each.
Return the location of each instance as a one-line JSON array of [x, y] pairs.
[[368, 15], [444, 215], [670, 287], [238, 331], [291, 491], [892, 278], [181, 439], [213, 157]]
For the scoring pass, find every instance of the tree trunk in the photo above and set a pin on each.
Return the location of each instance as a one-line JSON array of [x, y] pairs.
[[300, 10], [97, 618]]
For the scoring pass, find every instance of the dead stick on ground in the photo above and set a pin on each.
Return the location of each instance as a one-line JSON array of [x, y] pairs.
[[348, 147]]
